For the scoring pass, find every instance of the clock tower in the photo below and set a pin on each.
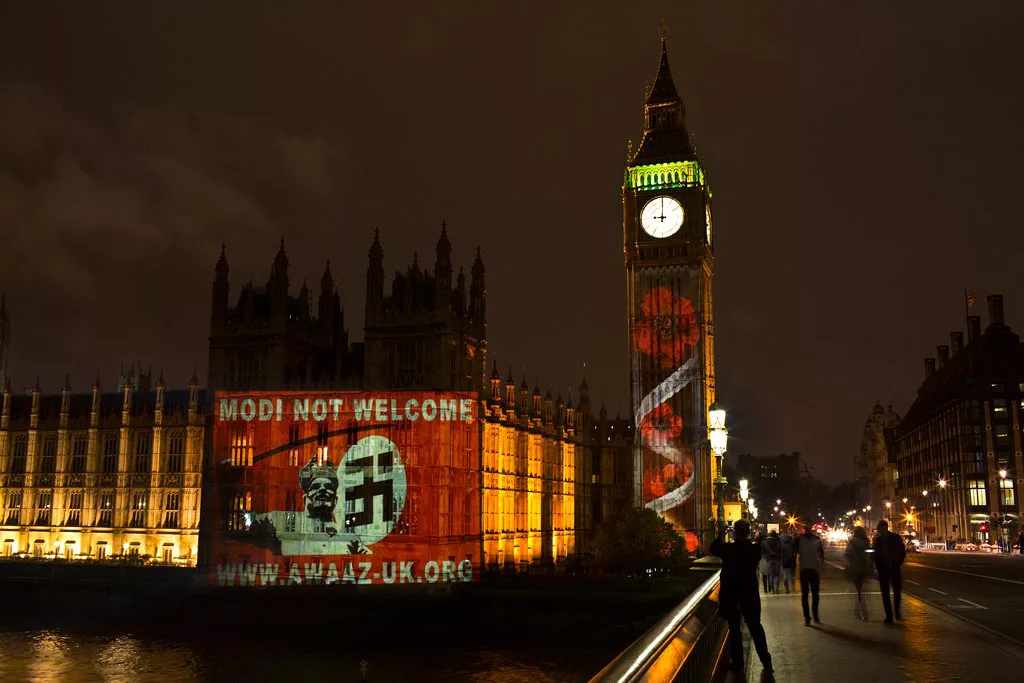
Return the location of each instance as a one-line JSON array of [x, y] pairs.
[[668, 243]]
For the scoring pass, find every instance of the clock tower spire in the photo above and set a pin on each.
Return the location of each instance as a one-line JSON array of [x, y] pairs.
[[669, 260]]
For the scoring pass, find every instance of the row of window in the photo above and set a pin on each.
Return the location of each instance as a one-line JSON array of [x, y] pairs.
[[42, 514], [142, 456], [977, 493]]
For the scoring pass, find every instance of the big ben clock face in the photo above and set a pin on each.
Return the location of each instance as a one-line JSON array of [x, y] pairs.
[[662, 217]]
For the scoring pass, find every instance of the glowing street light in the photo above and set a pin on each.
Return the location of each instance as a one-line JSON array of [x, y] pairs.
[[1002, 474], [942, 483], [888, 505], [718, 438], [904, 501], [778, 501], [868, 508], [924, 493]]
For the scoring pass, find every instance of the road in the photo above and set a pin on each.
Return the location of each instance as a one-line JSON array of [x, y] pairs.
[[984, 588]]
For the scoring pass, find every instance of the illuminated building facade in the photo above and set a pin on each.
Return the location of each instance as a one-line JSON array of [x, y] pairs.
[[549, 472], [102, 476], [669, 257], [961, 438]]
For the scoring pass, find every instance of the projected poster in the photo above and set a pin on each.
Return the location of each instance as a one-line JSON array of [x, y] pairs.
[[668, 390], [344, 487]]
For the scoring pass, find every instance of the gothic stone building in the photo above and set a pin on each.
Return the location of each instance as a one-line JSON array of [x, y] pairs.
[[102, 476], [546, 478]]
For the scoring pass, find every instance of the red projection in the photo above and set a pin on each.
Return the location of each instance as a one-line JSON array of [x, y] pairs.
[[344, 487]]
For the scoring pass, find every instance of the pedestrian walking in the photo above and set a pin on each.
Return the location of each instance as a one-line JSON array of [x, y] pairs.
[[772, 553], [788, 561], [738, 598], [858, 567], [889, 555], [811, 554]]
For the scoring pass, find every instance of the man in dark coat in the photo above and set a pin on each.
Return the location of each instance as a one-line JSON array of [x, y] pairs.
[[889, 555], [738, 596]]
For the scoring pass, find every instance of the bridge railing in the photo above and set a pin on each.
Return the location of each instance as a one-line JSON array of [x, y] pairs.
[[683, 646]]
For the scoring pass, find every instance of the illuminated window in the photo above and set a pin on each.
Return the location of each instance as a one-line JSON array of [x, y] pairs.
[[75, 509], [293, 441], [48, 463], [322, 453], [19, 454], [1006, 493], [241, 448], [176, 452], [239, 516], [143, 452], [79, 450], [111, 443], [12, 503], [171, 505], [1002, 437], [976, 494], [106, 510], [44, 507], [138, 509], [101, 550]]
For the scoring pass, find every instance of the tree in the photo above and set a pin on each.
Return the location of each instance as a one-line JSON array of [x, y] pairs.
[[637, 540]]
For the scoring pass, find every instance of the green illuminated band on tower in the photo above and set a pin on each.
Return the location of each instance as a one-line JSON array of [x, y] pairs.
[[658, 176]]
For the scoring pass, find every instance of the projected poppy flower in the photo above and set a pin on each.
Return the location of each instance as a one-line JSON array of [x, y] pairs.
[[667, 325], [661, 426], [692, 542], [669, 478]]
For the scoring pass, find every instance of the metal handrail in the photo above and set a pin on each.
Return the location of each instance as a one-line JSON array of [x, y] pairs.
[[660, 653]]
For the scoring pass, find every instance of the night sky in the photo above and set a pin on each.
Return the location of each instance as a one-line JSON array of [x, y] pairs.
[[864, 157]]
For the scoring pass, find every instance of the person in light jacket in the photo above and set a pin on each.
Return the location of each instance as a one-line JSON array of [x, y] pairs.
[[811, 554]]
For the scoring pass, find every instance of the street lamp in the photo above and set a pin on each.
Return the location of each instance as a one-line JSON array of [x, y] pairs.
[[942, 483], [1002, 474], [718, 437], [744, 494], [924, 493], [904, 501]]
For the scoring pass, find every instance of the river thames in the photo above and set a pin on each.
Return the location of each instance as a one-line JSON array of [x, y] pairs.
[[559, 633]]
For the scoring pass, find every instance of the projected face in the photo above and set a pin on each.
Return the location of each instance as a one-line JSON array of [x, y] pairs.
[[320, 490], [662, 217]]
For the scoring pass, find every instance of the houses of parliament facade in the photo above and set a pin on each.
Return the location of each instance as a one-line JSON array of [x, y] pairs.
[[99, 475], [111, 475]]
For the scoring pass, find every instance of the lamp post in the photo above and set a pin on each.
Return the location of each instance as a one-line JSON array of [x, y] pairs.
[[719, 437], [744, 494]]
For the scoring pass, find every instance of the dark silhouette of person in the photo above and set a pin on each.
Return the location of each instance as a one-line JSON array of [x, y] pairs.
[[889, 555], [738, 596]]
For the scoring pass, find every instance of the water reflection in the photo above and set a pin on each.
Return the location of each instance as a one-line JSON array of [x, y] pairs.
[[54, 655]]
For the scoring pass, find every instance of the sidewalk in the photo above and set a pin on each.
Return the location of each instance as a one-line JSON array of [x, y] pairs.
[[928, 645]]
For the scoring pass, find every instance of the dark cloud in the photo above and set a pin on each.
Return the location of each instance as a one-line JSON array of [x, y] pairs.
[[863, 158]]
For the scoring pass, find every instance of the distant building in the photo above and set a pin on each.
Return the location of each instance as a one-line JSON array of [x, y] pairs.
[[961, 439], [775, 477], [876, 463], [102, 476]]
